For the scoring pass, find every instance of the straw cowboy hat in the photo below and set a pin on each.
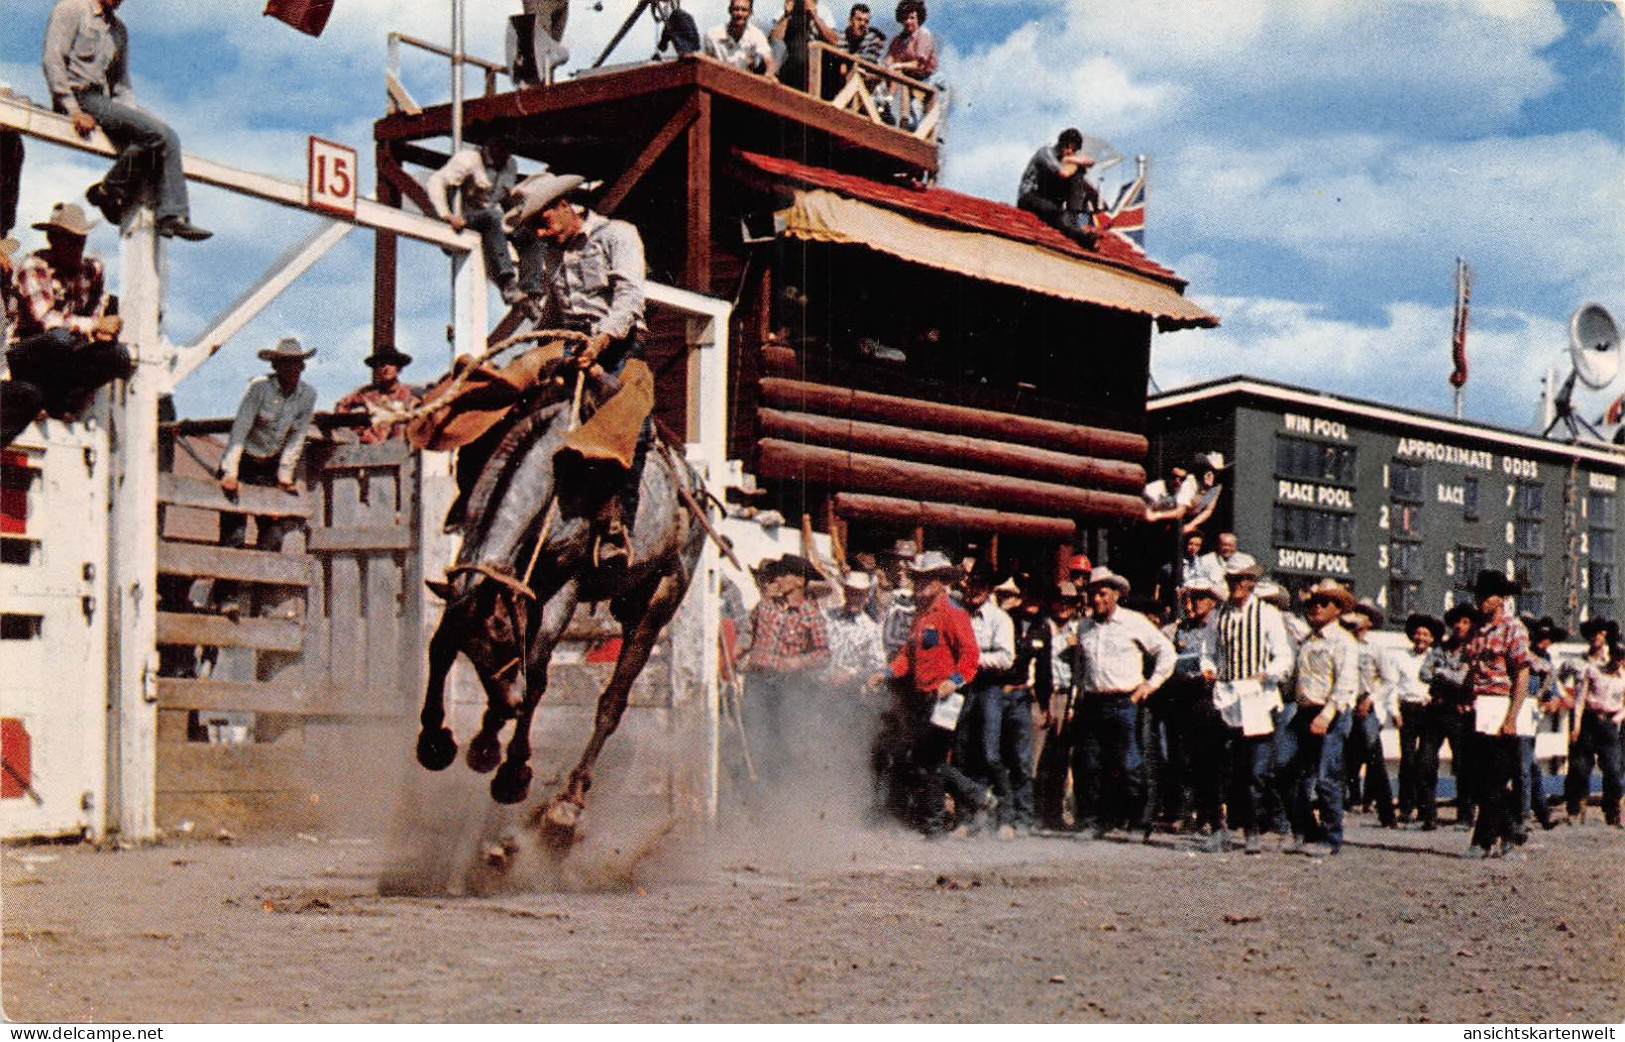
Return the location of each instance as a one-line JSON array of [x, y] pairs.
[[1243, 566], [1331, 590], [68, 218], [8, 247], [287, 349], [1104, 576], [933, 563], [1364, 609], [388, 354], [857, 580], [536, 193], [1203, 586]]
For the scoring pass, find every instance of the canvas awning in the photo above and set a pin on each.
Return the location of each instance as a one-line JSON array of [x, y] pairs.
[[817, 215]]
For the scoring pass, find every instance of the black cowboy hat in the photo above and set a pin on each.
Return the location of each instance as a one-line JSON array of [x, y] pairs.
[[1493, 583], [1591, 627], [1419, 621], [1460, 611], [1546, 628], [795, 564], [388, 354]]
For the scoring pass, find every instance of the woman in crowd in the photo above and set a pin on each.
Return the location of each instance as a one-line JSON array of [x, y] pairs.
[[1599, 710]]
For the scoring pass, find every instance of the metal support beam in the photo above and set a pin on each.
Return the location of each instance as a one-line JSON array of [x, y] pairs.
[[279, 276], [369, 213]]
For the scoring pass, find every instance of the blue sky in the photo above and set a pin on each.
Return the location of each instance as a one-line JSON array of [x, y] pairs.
[[1317, 166]]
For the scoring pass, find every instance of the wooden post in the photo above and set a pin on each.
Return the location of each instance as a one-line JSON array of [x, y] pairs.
[[697, 262], [385, 252], [133, 554]]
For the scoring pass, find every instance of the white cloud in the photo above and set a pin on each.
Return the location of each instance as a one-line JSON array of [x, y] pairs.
[[1405, 359]]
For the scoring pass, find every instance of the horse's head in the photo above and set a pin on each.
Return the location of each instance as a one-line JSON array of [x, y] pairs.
[[489, 609]]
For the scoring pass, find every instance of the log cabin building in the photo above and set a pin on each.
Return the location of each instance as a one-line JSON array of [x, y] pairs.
[[905, 360]]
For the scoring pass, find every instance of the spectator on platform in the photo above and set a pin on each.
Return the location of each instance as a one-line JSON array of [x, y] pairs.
[[913, 53], [486, 175], [1123, 660], [8, 294], [264, 448], [1409, 695], [1226, 552], [1170, 496], [1173, 575], [86, 59], [678, 31], [384, 395], [536, 41], [862, 39], [1309, 757], [63, 335], [802, 22], [739, 43], [1363, 751], [1056, 187]]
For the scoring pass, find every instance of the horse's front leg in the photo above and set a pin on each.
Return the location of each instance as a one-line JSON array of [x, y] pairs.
[[512, 782], [436, 746], [640, 633]]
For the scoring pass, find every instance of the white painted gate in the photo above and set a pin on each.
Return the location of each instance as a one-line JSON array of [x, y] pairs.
[[54, 631]]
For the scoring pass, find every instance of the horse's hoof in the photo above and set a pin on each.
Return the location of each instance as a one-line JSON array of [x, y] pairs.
[[557, 823], [511, 785], [484, 753], [436, 749]]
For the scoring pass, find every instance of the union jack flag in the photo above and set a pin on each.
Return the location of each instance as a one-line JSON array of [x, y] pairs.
[[1125, 217]]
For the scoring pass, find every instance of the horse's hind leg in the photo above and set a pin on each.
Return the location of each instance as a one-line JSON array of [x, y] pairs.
[[558, 822], [436, 746], [512, 782]]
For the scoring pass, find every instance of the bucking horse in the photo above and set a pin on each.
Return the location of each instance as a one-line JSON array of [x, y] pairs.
[[524, 565]]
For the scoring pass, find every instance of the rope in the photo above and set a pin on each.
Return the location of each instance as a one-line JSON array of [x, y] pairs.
[[385, 415]]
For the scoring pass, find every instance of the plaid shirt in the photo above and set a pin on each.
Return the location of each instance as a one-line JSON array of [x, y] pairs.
[[778, 632], [47, 301], [401, 398], [1499, 649]]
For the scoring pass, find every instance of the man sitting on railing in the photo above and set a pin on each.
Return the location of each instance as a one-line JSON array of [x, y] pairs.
[[913, 52], [739, 43], [386, 391], [64, 332], [486, 174], [678, 30]]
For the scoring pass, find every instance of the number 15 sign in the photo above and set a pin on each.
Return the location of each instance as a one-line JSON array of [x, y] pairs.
[[330, 180]]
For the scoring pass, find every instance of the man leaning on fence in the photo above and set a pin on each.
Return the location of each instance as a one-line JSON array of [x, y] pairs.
[[264, 449]]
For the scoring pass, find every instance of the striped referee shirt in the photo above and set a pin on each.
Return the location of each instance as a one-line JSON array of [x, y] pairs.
[[1253, 642]]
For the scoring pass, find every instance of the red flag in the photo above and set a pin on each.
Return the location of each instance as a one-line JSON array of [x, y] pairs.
[[1458, 336], [308, 16], [1615, 412]]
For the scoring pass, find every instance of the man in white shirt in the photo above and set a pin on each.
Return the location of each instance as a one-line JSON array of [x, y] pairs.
[[1253, 660], [1115, 645], [1372, 710], [739, 43], [1000, 736], [1309, 759]]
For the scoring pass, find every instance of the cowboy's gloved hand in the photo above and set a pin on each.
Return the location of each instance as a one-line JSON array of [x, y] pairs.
[[592, 349]]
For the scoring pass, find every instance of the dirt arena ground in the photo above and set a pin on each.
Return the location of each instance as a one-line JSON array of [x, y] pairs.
[[818, 922]]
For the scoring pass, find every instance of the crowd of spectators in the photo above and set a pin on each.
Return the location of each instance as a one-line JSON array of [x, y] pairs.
[[997, 708]]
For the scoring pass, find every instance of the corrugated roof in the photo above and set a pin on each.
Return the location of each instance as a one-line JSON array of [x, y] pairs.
[[965, 211]]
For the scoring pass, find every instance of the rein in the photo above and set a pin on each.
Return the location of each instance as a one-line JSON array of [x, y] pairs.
[[385, 415]]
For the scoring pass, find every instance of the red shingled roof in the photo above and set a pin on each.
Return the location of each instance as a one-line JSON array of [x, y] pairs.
[[965, 211]]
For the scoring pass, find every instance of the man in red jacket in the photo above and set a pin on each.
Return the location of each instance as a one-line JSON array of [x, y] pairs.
[[939, 659]]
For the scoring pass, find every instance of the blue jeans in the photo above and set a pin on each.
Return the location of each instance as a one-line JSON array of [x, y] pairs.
[[1001, 741], [1310, 768], [1252, 761], [493, 242], [1364, 750], [1419, 741], [1597, 746], [149, 152], [1107, 777]]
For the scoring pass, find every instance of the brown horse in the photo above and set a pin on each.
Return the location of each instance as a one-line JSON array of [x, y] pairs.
[[524, 565]]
